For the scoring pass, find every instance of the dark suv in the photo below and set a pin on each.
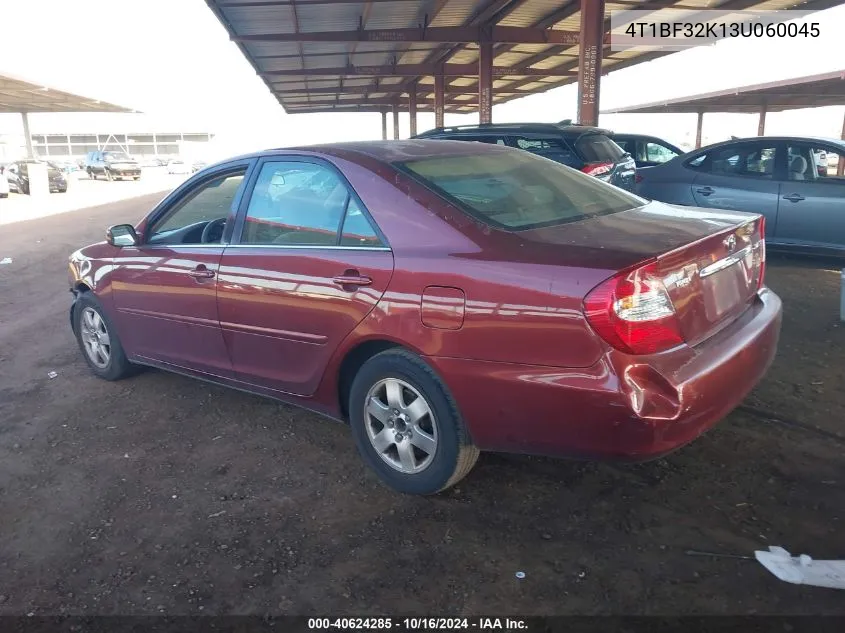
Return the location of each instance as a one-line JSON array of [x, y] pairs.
[[111, 164], [588, 149]]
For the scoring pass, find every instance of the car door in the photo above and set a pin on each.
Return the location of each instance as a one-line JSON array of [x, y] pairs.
[[306, 266], [811, 205], [165, 289], [738, 176]]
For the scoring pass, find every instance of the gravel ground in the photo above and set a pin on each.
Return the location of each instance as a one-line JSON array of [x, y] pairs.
[[161, 494]]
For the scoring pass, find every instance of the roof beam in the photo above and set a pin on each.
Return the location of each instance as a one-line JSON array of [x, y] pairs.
[[446, 34], [422, 89], [417, 70]]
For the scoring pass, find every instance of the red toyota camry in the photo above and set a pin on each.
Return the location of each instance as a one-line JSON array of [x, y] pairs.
[[443, 298]]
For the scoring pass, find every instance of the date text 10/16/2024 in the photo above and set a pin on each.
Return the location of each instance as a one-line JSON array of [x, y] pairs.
[[417, 624]]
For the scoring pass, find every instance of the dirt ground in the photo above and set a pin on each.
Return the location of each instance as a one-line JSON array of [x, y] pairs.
[[161, 494]]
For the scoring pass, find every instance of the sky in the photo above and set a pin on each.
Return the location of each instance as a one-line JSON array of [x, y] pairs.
[[173, 60]]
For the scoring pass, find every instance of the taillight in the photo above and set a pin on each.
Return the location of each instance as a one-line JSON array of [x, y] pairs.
[[633, 312], [597, 169]]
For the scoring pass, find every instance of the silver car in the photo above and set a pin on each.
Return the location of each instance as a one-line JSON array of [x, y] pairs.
[[804, 205]]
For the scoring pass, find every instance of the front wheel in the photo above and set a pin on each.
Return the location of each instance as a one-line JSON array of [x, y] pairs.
[[406, 425], [98, 340]]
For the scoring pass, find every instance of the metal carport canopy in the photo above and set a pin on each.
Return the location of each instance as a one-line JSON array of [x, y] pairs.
[[22, 95], [25, 96], [441, 55], [812, 91]]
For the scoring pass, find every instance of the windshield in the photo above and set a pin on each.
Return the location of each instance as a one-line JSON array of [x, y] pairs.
[[115, 156], [518, 190]]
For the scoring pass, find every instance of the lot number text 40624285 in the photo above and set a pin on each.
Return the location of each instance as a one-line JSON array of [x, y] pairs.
[[417, 624]]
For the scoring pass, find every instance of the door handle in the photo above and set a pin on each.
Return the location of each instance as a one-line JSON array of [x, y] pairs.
[[704, 191], [794, 197], [352, 278], [201, 272]]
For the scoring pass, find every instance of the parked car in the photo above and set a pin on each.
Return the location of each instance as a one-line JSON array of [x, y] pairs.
[[443, 298], [178, 167], [112, 165], [775, 176], [17, 174], [587, 149], [4, 183], [647, 151], [197, 165]]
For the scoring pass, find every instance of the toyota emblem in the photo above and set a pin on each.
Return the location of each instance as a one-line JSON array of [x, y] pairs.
[[730, 242]]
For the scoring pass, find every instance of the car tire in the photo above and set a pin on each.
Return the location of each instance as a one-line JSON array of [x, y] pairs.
[[90, 322], [434, 451], [137, 178]]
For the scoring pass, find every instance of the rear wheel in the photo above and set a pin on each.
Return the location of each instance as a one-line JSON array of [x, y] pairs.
[[98, 340], [406, 425]]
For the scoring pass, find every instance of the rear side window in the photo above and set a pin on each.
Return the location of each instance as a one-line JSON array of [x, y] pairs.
[[552, 148], [492, 140], [598, 148], [518, 190], [295, 203]]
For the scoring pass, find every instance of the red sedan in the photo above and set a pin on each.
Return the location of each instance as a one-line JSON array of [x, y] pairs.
[[443, 298]]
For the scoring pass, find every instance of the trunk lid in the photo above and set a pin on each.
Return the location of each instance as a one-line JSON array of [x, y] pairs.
[[715, 279], [710, 261]]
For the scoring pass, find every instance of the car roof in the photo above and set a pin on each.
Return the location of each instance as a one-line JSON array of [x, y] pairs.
[[516, 128], [385, 151], [777, 139]]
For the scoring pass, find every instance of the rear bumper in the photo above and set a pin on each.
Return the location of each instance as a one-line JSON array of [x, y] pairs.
[[623, 407]]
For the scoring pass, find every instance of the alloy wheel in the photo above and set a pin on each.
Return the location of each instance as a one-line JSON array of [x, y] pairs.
[[95, 337], [400, 425]]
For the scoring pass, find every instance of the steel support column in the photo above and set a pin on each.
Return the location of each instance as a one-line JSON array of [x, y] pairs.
[[698, 130], [439, 100], [485, 82], [412, 108], [30, 153], [761, 123], [384, 125], [395, 122], [589, 66]]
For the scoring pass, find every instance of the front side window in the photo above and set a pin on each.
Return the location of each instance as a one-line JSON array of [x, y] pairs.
[[296, 203], [657, 153], [518, 190], [814, 163], [186, 221]]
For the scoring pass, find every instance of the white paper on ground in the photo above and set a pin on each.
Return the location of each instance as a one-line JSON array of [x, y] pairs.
[[803, 570]]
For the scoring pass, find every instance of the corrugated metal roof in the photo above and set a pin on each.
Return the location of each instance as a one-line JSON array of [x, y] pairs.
[[827, 89], [18, 94], [332, 75]]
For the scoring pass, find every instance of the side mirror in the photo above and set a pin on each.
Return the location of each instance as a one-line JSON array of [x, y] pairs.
[[122, 235]]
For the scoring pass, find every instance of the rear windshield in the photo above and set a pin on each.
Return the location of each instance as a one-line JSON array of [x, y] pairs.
[[598, 148], [517, 190]]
